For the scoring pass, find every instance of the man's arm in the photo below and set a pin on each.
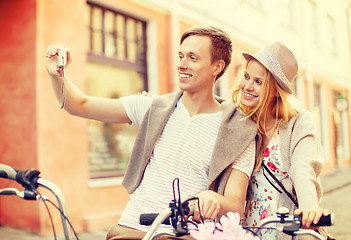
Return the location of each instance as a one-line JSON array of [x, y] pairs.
[[76, 102]]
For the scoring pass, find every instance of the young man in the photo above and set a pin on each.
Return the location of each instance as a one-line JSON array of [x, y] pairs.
[[189, 134]]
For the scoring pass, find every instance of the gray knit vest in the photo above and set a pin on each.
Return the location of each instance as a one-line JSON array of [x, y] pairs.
[[235, 134]]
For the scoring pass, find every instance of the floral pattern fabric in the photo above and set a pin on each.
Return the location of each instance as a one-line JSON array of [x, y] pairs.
[[262, 196]]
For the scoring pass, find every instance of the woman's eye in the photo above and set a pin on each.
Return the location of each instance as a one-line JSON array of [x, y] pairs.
[[259, 82], [246, 76]]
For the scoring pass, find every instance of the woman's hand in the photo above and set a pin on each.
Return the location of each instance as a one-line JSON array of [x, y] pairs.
[[209, 202], [310, 216]]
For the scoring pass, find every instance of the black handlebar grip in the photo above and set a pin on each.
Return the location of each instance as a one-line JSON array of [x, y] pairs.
[[8, 172], [325, 221], [8, 192], [27, 178], [148, 218]]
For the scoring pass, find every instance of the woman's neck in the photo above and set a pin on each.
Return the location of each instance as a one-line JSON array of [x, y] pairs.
[[271, 124]]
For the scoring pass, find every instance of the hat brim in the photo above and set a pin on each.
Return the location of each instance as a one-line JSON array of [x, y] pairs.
[[249, 56]]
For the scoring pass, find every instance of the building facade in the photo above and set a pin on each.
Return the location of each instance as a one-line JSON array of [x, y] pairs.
[[126, 46]]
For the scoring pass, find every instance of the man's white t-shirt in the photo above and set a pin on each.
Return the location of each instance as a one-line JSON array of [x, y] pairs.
[[184, 151]]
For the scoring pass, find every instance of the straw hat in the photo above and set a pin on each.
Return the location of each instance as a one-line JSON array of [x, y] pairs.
[[280, 61]]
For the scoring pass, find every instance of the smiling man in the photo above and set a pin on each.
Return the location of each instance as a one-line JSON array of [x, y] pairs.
[[189, 134]]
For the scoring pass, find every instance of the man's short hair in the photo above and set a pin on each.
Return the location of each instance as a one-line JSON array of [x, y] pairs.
[[221, 44]]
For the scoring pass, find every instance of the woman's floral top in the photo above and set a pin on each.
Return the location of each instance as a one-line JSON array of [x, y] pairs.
[[262, 196]]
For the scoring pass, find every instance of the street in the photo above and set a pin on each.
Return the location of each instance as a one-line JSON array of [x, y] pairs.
[[337, 198], [338, 202]]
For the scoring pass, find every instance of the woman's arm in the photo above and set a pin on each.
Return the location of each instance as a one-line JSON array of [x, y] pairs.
[[213, 204], [306, 165]]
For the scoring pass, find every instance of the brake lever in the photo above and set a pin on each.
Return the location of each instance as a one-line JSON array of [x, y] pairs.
[[26, 194]]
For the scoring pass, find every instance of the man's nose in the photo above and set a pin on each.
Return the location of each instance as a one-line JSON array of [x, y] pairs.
[[182, 64]]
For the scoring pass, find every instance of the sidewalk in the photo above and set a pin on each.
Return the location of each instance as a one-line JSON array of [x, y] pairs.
[[336, 180], [7, 233], [331, 182]]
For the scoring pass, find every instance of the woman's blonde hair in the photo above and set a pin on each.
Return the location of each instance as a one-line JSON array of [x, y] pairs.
[[282, 109]]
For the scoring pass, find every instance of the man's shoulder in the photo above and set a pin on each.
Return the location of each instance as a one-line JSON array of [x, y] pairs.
[[166, 97], [231, 110], [229, 104], [232, 116]]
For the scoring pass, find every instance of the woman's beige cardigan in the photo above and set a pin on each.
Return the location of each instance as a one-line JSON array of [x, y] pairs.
[[301, 150]]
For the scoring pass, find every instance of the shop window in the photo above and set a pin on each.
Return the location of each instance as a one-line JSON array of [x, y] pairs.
[[331, 35], [341, 127], [117, 66], [312, 22], [255, 3], [286, 13], [316, 108]]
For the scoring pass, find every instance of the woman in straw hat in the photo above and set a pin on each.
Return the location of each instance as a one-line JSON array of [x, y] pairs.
[[290, 151]]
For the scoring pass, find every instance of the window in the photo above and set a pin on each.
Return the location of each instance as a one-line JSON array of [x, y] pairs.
[[286, 13], [117, 66], [311, 21], [331, 35], [317, 108], [116, 38], [341, 126], [254, 3]]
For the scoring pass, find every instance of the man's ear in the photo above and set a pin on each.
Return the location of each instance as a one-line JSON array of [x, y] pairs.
[[219, 67]]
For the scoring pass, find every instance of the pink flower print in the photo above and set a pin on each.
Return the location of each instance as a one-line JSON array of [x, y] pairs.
[[272, 166], [284, 172], [265, 190], [269, 197], [264, 214], [272, 148], [266, 153]]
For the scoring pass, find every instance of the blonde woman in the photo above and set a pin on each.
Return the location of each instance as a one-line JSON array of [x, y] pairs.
[[291, 150]]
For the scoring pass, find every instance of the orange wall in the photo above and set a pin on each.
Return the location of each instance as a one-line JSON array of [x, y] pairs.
[[18, 139], [62, 139]]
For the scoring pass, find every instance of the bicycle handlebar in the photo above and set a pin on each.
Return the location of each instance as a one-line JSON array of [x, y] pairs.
[[148, 218], [26, 194], [27, 178], [8, 172], [168, 216], [159, 219], [30, 180], [283, 217]]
